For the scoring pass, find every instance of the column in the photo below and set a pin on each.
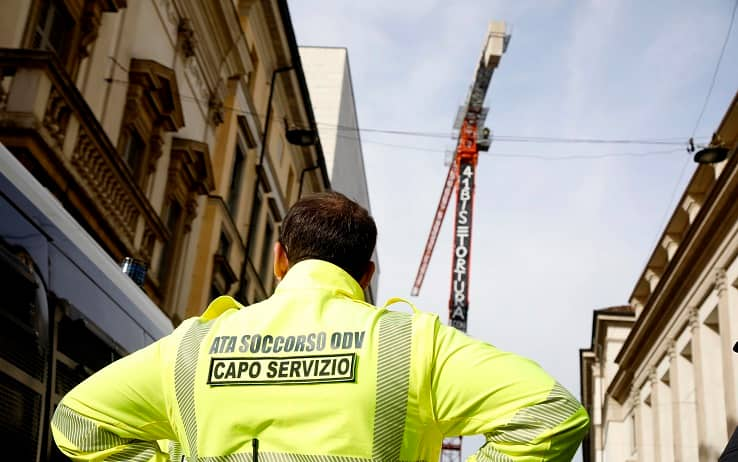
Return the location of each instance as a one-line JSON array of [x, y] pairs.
[[660, 385], [646, 433], [636, 434], [728, 336], [684, 423], [711, 427]]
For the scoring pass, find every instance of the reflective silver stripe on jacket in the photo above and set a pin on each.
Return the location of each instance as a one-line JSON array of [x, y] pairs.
[[184, 380], [531, 422], [87, 436], [393, 382]]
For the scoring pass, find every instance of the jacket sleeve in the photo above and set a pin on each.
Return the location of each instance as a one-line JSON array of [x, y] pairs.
[[118, 413], [523, 412]]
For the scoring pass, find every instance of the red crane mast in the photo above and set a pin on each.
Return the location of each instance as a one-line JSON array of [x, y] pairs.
[[461, 173]]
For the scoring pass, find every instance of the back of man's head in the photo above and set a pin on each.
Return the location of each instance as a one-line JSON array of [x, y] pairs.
[[331, 227]]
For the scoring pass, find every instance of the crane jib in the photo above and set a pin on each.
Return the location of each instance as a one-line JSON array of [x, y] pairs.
[[459, 302]]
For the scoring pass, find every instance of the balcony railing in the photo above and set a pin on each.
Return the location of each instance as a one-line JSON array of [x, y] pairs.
[[46, 122]]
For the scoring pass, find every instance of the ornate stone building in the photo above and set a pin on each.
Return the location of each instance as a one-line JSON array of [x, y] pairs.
[[660, 378], [173, 132]]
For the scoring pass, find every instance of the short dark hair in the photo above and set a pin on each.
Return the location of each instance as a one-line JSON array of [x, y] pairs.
[[331, 227]]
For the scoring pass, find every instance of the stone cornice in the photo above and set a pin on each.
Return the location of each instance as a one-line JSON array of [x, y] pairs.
[[699, 243]]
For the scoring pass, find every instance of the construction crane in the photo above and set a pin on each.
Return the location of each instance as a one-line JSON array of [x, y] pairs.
[[470, 118]]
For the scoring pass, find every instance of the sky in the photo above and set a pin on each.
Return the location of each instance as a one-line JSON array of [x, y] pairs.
[[553, 240]]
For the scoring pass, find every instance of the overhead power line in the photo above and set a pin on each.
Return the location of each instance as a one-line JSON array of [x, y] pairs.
[[674, 141], [717, 68], [493, 153]]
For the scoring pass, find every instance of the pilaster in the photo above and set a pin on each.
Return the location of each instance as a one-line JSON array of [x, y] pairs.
[[728, 320]]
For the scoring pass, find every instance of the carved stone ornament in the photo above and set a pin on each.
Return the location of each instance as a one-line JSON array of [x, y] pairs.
[[633, 397], [217, 111], [190, 175], [694, 318], [652, 376], [671, 350], [91, 20], [56, 116], [721, 281], [186, 37]]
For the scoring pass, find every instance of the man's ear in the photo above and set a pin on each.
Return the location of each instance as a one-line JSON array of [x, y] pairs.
[[366, 278], [281, 263]]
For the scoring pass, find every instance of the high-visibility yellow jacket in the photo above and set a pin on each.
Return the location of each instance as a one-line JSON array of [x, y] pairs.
[[316, 374]]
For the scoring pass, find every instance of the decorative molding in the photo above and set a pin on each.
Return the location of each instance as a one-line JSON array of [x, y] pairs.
[[653, 376], [190, 175], [186, 38], [634, 397], [671, 350], [171, 11], [95, 171], [216, 109], [152, 107], [721, 281], [91, 20], [157, 93], [56, 116], [694, 318]]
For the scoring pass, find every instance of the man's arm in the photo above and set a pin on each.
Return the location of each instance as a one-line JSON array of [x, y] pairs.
[[523, 412], [118, 413]]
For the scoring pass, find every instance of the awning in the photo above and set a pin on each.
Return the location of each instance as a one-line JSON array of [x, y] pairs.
[[71, 263]]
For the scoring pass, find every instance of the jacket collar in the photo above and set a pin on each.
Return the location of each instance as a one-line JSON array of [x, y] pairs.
[[319, 274]]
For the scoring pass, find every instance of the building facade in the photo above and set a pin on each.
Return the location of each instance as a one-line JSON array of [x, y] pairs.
[[172, 132], [328, 77], [661, 379]]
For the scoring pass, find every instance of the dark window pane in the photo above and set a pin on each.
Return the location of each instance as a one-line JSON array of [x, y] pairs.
[[236, 175], [171, 220], [224, 246], [266, 249], [53, 29], [133, 151], [253, 226]]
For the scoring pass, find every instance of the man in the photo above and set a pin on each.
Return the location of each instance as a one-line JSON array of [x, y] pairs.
[[316, 374]]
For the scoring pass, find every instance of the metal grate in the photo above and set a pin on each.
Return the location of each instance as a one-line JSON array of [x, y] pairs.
[[67, 377], [20, 408], [20, 346]]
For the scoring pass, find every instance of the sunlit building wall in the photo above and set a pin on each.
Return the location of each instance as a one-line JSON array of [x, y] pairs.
[[660, 377]]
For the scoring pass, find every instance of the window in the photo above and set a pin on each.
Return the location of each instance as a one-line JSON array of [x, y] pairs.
[[266, 249], [152, 109], [236, 176], [224, 246], [290, 183], [256, 215], [66, 28], [252, 75], [171, 219], [133, 152], [54, 29]]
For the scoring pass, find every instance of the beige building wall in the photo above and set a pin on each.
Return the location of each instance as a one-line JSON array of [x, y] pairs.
[[173, 95], [252, 195], [670, 390]]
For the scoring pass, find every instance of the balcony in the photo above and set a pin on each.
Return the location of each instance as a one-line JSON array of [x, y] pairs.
[[46, 123]]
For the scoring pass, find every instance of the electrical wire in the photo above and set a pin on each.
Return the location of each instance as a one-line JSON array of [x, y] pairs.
[[675, 189], [525, 155], [717, 68], [674, 141]]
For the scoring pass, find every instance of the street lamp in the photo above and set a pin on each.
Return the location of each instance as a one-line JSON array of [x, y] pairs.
[[299, 137], [711, 155]]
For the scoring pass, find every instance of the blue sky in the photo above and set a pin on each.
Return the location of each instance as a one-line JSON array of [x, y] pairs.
[[552, 239]]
